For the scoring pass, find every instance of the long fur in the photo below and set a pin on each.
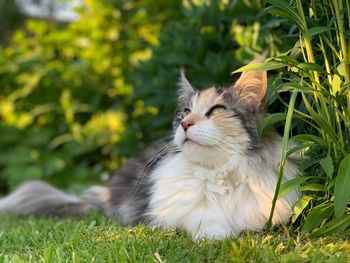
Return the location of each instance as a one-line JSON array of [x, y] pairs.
[[216, 178], [39, 198]]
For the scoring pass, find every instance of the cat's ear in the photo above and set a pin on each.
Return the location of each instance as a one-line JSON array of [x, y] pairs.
[[185, 91], [251, 87]]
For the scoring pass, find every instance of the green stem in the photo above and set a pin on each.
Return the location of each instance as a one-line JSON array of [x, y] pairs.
[[340, 23], [348, 12], [283, 154]]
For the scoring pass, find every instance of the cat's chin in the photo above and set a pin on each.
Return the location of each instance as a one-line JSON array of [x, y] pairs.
[[203, 155]]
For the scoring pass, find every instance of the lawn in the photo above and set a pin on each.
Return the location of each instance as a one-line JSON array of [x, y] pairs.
[[97, 239]]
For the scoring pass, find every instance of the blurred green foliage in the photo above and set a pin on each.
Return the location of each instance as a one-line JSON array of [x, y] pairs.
[[76, 100], [10, 19]]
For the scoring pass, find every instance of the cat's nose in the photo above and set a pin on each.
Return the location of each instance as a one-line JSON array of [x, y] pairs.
[[186, 124]]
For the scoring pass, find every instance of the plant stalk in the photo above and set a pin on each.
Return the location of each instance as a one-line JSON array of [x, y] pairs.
[[283, 154]]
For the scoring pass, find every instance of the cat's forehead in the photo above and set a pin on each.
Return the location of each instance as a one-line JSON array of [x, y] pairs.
[[205, 99]]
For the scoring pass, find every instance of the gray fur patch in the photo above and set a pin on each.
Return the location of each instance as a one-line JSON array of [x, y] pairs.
[[130, 187], [39, 198], [249, 120]]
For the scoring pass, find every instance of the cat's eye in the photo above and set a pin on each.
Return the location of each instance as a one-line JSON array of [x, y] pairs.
[[186, 112], [216, 110]]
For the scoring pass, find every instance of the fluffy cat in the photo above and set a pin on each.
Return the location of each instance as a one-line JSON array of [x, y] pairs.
[[215, 179]]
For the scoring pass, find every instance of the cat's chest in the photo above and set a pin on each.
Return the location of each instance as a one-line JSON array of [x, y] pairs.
[[195, 197], [177, 179]]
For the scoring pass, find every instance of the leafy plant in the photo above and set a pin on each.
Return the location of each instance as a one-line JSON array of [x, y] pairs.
[[318, 68]]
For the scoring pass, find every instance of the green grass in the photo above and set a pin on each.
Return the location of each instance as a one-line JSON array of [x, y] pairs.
[[97, 239]]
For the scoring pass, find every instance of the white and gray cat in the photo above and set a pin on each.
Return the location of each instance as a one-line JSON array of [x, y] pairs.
[[216, 178]]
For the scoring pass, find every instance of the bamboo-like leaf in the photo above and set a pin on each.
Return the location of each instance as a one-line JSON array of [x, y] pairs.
[[320, 142], [312, 67], [291, 61], [300, 206], [322, 123], [342, 187], [261, 66], [336, 84], [335, 226], [316, 31], [270, 120], [292, 184], [332, 46], [327, 165], [316, 216], [290, 12], [312, 188], [270, 65], [252, 66], [299, 147], [341, 68]]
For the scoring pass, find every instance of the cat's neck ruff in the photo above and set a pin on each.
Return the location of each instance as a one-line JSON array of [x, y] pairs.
[[220, 171]]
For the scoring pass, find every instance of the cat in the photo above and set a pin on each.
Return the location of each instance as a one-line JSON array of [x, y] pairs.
[[216, 178]]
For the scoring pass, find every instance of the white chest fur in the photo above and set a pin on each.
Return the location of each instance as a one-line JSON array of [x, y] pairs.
[[214, 203]]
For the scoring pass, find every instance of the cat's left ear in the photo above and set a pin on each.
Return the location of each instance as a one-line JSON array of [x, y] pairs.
[[185, 91], [251, 87]]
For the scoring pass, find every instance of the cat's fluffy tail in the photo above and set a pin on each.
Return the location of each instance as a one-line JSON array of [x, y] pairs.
[[41, 199]]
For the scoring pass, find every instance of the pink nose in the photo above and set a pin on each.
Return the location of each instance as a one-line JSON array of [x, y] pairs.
[[186, 124]]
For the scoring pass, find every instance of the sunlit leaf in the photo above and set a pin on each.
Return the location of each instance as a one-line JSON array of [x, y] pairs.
[[261, 66], [312, 188], [300, 206]]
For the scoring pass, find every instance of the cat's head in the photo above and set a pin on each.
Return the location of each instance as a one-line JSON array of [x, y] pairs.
[[218, 124]]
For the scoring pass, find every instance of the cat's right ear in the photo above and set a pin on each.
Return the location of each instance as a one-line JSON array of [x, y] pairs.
[[251, 87], [185, 91]]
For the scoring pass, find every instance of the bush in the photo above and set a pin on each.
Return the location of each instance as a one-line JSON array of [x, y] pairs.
[[66, 93]]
